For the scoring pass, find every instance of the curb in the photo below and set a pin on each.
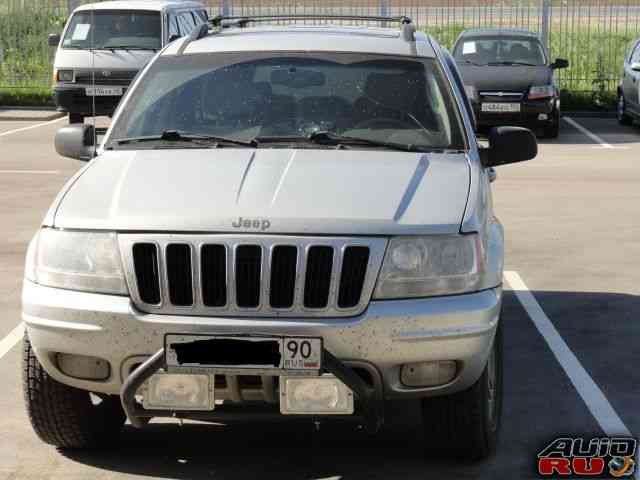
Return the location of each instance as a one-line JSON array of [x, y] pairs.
[[39, 114]]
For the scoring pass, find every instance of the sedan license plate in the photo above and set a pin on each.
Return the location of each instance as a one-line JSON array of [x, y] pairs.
[[501, 107], [238, 353], [103, 91]]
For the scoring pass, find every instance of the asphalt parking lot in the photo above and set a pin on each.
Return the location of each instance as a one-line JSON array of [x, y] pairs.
[[571, 318]]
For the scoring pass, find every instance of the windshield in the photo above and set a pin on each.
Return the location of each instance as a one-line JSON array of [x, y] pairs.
[[114, 30], [261, 95], [500, 50]]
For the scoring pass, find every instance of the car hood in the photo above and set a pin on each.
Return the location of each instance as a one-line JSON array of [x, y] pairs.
[[504, 77], [269, 191], [103, 59]]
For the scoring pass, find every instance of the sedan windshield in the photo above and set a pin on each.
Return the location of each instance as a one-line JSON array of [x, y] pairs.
[[359, 101], [500, 50], [120, 29]]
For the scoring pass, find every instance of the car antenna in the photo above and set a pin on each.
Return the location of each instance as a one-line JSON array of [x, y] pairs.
[[93, 78]]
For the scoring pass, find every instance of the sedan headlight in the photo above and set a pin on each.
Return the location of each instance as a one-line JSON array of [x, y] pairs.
[[65, 75], [428, 266], [87, 261], [541, 91]]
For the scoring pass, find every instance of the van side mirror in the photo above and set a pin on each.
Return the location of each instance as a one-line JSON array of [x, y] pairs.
[[509, 145], [76, 141], [560, 63], [53, 39], [174, 37]]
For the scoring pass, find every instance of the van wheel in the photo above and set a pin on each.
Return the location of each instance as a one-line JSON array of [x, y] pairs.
[[76, 118], [466, 424], [623, 116], [65, 416]]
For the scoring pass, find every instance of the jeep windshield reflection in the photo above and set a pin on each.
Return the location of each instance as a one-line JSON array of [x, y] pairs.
[[285, 98]]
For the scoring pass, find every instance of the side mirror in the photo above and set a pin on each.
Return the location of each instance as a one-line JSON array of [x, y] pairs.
[[509, 145], [53, 39], [560, 63], [635, 66], [174, 37], [76, 141]]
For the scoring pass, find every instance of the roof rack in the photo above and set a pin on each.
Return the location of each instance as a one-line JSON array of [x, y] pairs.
[[221, 21]]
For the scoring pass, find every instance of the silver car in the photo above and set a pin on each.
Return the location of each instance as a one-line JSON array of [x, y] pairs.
[[288, 221]]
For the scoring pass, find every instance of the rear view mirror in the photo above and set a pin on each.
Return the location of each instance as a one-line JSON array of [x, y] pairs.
[[76, 141], [297, 78], [509, 145], [53, 39], [635, 66], [560, 63]]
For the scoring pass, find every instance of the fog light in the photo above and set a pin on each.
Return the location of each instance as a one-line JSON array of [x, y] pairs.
[[543, 116], [167, 391], [83, 366], [325, 395], [428, 374]]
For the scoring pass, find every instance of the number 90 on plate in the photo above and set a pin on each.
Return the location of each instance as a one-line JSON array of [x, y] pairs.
[[301, 353]]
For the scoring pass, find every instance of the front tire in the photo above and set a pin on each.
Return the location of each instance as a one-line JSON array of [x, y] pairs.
[[623, 116], [466, 424], [76, 118], [65, 416], [553, 129]]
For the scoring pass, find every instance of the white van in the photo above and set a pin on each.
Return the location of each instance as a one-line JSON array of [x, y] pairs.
[[104, 45]]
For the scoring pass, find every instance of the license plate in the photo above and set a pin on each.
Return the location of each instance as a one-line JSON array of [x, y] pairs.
[[238, 353], [103, 91], [501, 107]]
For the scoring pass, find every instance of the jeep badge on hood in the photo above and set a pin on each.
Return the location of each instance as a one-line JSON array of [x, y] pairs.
[[261, 223]]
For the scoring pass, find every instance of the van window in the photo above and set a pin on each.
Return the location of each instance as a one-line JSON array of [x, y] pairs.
[[114, 29], [173, 26], [186, 23], [201, 16]]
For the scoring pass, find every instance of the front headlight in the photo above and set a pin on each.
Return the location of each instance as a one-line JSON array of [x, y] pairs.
[[470, 90], [541, 91], [87, 261], [65, 75], [428, 266]]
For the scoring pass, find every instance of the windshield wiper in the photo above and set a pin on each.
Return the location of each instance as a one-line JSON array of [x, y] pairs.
[[324, 137], [124, 47], [180, 136], [474, 63], [513, 63]]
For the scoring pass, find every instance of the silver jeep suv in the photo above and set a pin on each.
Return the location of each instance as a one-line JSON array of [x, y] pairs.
[[291, 221]]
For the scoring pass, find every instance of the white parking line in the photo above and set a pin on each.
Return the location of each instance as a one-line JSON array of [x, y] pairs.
[[591, 394], [32, 172], [10, 340], [30, 127], [588, 133]]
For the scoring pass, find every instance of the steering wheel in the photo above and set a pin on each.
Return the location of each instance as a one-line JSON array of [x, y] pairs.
[[380, 123]]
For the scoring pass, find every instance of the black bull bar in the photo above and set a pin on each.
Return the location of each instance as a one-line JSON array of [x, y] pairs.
[[370, 400]]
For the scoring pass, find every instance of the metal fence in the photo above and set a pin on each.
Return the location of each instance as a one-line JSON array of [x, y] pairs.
[[592, 34]]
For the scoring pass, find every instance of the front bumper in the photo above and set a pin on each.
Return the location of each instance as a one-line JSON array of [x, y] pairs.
[[73, 99], [529, 115], [386, 336]]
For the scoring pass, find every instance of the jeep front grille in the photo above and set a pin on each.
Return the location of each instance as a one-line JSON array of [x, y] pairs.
[[268, 276]]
